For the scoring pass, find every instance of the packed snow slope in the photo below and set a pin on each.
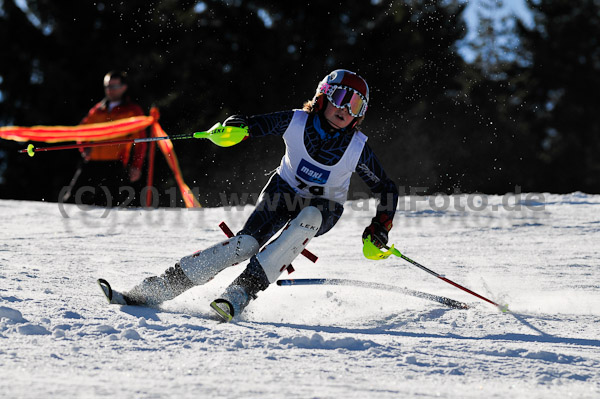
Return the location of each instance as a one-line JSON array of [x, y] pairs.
[[537, 253]]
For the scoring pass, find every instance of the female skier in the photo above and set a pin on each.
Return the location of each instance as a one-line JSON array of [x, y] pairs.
[[323, 148]]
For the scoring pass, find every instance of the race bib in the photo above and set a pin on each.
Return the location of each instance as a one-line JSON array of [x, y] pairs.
[[312, 173]]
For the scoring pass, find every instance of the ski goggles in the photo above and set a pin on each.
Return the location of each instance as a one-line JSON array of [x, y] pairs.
[[346, 97]]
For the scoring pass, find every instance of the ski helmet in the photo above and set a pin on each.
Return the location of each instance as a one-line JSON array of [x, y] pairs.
[[345, 89]]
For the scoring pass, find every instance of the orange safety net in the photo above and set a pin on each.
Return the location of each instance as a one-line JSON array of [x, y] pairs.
[[92, 132], [166, 146], [105, 131]]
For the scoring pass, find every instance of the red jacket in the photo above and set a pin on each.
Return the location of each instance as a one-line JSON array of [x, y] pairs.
[[100, 113]]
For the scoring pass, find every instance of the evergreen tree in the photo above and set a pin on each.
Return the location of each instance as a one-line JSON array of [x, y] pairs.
[[436, 122], [556, 95]]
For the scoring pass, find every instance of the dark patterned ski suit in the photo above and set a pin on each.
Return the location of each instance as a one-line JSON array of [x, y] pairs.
[[279, 203]]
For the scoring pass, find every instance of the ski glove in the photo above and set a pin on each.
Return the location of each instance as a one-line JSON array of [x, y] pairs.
[[236, 120], [378, 230]]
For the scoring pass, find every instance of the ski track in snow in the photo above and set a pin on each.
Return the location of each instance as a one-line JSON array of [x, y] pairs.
[[59, 338]]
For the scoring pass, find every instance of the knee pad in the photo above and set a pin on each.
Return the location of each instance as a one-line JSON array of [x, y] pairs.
[[280, 253], [203, 266]]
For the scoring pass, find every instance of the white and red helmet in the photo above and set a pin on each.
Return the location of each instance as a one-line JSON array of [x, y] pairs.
[[346, 89]]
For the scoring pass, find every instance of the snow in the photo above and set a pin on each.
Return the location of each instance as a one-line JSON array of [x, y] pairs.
[[537, 253]]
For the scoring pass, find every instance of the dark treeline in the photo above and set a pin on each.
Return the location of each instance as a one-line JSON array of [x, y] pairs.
[[521, 116]]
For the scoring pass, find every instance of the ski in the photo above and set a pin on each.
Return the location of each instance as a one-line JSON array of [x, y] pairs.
[[113, 297], [356, 283]]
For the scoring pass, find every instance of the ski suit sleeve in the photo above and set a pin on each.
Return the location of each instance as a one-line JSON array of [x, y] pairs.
[[274, 124], [371, 172]]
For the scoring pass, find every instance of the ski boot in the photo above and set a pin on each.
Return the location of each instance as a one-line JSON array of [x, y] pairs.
[[158, 289], [265, 267], [239, 293], [152, 291], [233, 301]]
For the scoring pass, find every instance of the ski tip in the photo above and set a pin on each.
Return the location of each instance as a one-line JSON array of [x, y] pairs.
[[106, 289], [223, 309], [113, 297]]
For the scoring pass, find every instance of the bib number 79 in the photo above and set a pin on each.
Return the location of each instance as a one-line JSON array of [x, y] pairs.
[[314, 190]]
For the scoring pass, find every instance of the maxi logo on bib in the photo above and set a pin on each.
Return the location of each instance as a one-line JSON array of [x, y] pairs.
[[312, 173]]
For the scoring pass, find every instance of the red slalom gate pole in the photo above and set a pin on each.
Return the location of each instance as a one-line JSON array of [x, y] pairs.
[[312, 257], [150, 177]]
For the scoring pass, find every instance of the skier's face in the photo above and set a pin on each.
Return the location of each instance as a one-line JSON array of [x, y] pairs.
[[336, 117]]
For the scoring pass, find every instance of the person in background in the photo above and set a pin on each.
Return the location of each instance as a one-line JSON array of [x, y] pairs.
[[112, 171]]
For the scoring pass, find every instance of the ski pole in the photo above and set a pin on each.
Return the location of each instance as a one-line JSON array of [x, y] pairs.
[[223, 136], [372, 252], [420, 266], [31, 149]]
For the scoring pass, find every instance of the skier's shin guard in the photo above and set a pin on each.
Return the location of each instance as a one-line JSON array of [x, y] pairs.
[[267, 265], [280, 253], [204, 265]]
